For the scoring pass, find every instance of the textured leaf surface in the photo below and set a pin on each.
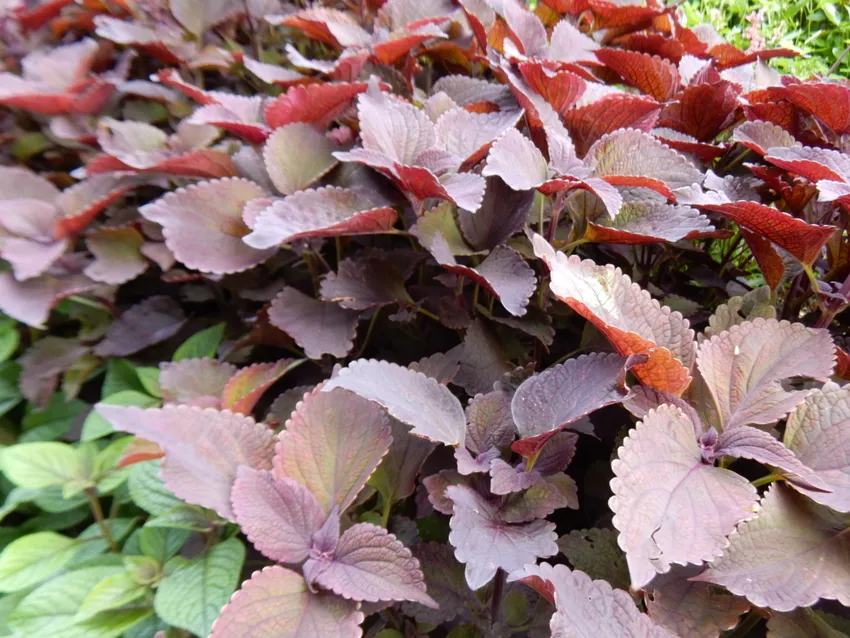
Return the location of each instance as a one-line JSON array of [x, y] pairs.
[[194, 381], [365, 283], [395, 477], [811, 562], [332, 443], [484, 543], [319, 327], [409, 396], [645, 222], [445, 581], [314, 103], [516, 159], [633, 321], [669, 506], [490, 422], [276, 601], [247, 386], [296, 156], [744, 368], [653, 75], [611, 112], [203, 448], [596, 553], [818, 432], [147, 323], [117, 255]]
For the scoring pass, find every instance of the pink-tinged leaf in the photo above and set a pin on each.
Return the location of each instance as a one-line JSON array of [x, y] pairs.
[[394, 127], [332, 443], [468, 135], [647, 222], [585, 607], [319, 327], [204, 162], [828, 102], [693, 609], [541, 499], [703, 111], [321, 212], [507, 479], [83, 202], [467, 464], [198, 382], [411, 397], [746, 442], [799, 238], [203, 226], [247, 386], [669, 506], [43, 362], [818, 432], [138, 451], [688, 144], [627, 315], [633, 153], [643, 399], [527, 30], [147, 323], [653, 75], [370, 564], [297, 156], [197, 18], [516, 159], [561, 89], [317, 104], [551, 400], [235, 114], [759, 137], [272, 73], [465, 90], [118, 257], [277, 602], [32, 300], [607, 114], [203, 448], [325, 25], [368, 282], [29, 258], [504, 274], [485, 543], [815, 164], [21, 183], [831, 191], [557, 454], [436, 484], [794, 553], [279, 516], [400, 42], [490, 423], [744, 368]]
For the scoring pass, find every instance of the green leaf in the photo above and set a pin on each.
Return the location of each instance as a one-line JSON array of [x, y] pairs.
[[142, 569], [29, 560], [515, 608], [149, 378], [148, 491], [18, 496], [51, 500], [8, 604], [49, 611], [95, 544], [112, 592], [201, 344], [121, 375], [192, 596], [56, 419], [162, 543], [188, 517], [29, 145], [58, 521], [9, 340], [108, 476], [48, 464], [10, 396], [95, 426]]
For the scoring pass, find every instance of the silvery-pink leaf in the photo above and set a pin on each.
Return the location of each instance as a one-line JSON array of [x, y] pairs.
[[247, 386], [118, 257], [445, 582], [395, 477], [319, 327], [489, 422], [465, 90], [321, 212], [760, 136], [541, 499], [276, 601], [436, 485], [689, 608], [468, 135], [203, 226], [331, 444], [507, 479], [136, 144], [814, 164], [464, 189], [818, 432], [526, 26], [737, 310], [595, 552], [296, 156], [43, 362], [648, 222], [516, 159], [272, 73], [627, 315], [370, 564], [32, 300], [393, 126], [194, 381], [793, 553], [744, 367], [411, 397], [669, 506], [147, 323], [467, 464], [30, 258], [503, 213], [585, 607], [642, 399], [368, 282], [482, 361], [203, 448], [746, 442], [236, 114], [441, 366], [279, 516], [551, 400], [485, 543], [21, 183], [831, 191], [568, 44], [803, 622]]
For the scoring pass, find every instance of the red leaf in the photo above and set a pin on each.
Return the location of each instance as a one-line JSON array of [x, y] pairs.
[[726, 56], [314, 103], [561, 89], [770, 262], [139, 450], [652, 75], [828, 102], [612, 14], [204, 162], [39, 15], [654, 44], [703, 111], [612, 112]]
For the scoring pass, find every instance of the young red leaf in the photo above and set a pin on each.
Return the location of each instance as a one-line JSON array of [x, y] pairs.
[[203, 226], [277, 601], [744, 367], [485, 543], [332, 443], [203, 448], [561, 89], [197, 382], [827, 101], [669, 505], [318, 327], [654, 76], [147, 323], [317, 104], [607, 114], [703, 111], [292, 170], [627, 315], [245, 388], [811, 564], [419, 401], [818, 431]]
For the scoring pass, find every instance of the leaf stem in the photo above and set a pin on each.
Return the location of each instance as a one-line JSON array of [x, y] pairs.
[[97, 512], [369, 330], [496, 598], [764, 480], [427, 313], [385, 513]]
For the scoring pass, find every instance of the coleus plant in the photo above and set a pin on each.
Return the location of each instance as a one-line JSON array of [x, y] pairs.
[[422, 318]]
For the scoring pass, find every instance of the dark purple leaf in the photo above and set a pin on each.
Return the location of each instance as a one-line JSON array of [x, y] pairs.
[[502, 214], [368, 282], [147, 323], [319, 327], [489, 422]]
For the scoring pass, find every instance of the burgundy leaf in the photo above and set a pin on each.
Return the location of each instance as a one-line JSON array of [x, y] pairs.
[[653, 75], [368, 282], [589, 123], [828, 102], [147, 323], [703, 111], [561, 89], [482, 360], [395, 477], [43, 362], [669, 506], [541, 499], [490, 423], [815, 164], [319, 327], [203, 448], [445, 581], [198, 382], [247, 386]]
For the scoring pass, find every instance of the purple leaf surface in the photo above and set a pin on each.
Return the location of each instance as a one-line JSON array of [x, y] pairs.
[[319, 327]]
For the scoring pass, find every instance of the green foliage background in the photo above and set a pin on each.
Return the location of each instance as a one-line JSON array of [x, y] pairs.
[[818, 29]]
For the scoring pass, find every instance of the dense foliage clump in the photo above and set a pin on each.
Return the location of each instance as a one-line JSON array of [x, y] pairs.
[[414, 318]]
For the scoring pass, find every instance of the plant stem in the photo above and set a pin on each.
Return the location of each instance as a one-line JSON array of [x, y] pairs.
[[838, 61], [97, 512], [496, 598], [764, 480], [428, 314], [369, 332], [385, 513]]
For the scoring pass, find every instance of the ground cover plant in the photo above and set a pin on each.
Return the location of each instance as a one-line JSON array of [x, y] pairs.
[[418, 318]]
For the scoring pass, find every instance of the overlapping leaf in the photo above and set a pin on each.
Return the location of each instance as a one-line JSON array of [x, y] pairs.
[[319, 327]]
